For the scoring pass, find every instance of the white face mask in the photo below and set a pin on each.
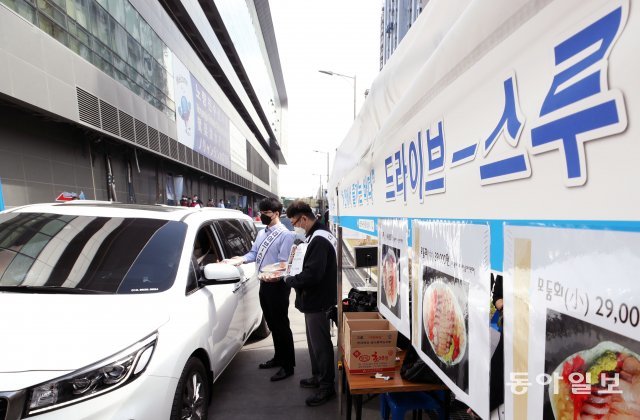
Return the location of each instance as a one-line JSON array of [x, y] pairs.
[[299, 231]]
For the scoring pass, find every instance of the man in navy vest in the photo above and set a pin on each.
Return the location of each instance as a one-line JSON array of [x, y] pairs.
[[316, 293]]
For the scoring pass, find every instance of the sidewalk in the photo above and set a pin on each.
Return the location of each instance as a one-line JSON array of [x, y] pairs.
[[245, 392]]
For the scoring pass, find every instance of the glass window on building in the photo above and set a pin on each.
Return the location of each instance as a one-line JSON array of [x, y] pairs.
[[145, 36], [111, 35], [148, 65], [53, 29], [132, 20], [53, 11], [135, 54], [116, 9], [82, 13], [60, 3], [70, 8], [99, 23], [101, 49], [119, 35], [24, 8], [167, 58], [157, 46], [79, 48]]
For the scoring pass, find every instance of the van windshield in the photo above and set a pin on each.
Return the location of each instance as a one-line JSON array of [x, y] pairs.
[[62, 253]]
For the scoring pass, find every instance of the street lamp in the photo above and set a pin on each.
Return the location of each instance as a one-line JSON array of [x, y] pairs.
[[333, 73], [321, 194], [326, 153]]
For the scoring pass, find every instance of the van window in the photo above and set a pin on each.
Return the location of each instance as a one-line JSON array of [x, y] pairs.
[[250, 229], [86, 254], [234, 238], [205, 250]]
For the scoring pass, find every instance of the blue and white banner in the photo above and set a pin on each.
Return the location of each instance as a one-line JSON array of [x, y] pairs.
[[530, 123], [515, 114], [202, 125]]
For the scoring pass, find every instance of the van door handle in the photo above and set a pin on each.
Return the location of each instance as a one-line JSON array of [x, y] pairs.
[[238, 287]]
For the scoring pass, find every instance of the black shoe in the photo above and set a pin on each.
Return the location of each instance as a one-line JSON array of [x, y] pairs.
[[311, 382], [282, 374], [269, 364], [321, 397]]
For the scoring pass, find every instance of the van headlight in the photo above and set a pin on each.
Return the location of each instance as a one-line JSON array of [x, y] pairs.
[[91, 381]]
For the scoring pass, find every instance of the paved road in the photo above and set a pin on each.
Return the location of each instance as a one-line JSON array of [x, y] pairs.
[[245, 392]]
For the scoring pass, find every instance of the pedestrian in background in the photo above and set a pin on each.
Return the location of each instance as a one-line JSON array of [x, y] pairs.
[[221, 204], [196, 202], [273, 245], [316, 294]]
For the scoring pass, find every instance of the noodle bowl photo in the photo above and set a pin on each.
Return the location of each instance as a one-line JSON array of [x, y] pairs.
[[444, 323], [390, 277]]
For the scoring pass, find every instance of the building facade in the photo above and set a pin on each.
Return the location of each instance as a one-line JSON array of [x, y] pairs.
[[140, 101], [396, 19]]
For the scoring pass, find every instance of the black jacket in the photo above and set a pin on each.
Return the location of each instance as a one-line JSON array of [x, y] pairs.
[[316, 285]]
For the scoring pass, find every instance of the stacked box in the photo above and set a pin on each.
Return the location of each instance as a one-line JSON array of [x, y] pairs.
[[347, 316], [370, 345]]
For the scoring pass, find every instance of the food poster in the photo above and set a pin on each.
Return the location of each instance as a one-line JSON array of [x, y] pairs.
[[393, 283], [453, 300], [572, 316]]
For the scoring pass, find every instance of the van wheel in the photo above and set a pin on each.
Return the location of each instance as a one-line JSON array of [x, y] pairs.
[[262, 331], [191, 401]]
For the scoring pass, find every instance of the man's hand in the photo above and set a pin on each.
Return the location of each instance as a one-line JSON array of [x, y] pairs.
[[271, 277], [234, 261]]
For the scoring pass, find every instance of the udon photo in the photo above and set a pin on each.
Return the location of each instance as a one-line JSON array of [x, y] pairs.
[[445, 324], [390, 279], [595, 372]]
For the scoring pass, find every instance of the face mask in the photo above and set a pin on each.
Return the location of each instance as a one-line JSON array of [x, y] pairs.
[[300, 231], [265, 219]]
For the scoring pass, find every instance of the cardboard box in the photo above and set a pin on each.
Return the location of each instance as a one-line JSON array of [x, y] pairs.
[[346, 316], [370, 345]]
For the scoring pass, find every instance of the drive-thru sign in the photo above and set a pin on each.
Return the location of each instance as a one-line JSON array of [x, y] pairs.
[[501, 133]]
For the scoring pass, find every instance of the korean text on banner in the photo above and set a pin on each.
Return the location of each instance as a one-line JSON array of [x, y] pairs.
[[572, 342]]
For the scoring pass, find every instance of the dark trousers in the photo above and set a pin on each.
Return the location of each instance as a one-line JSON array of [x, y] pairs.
[[320, 348], [274, 300], [496, 380]]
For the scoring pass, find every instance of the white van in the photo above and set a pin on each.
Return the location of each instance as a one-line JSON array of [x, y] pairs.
[[121, 311]]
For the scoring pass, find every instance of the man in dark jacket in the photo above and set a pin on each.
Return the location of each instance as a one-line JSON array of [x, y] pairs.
[[315, 287]]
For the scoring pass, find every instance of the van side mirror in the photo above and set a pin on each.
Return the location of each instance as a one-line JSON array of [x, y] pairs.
[[220, 273]]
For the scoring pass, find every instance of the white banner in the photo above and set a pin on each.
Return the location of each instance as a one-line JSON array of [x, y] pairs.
[[520, 99], [393, 278], [451, 330], [238, 146], [572, 317]]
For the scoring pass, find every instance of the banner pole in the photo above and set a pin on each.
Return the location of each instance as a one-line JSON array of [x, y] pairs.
[[341, 366]]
